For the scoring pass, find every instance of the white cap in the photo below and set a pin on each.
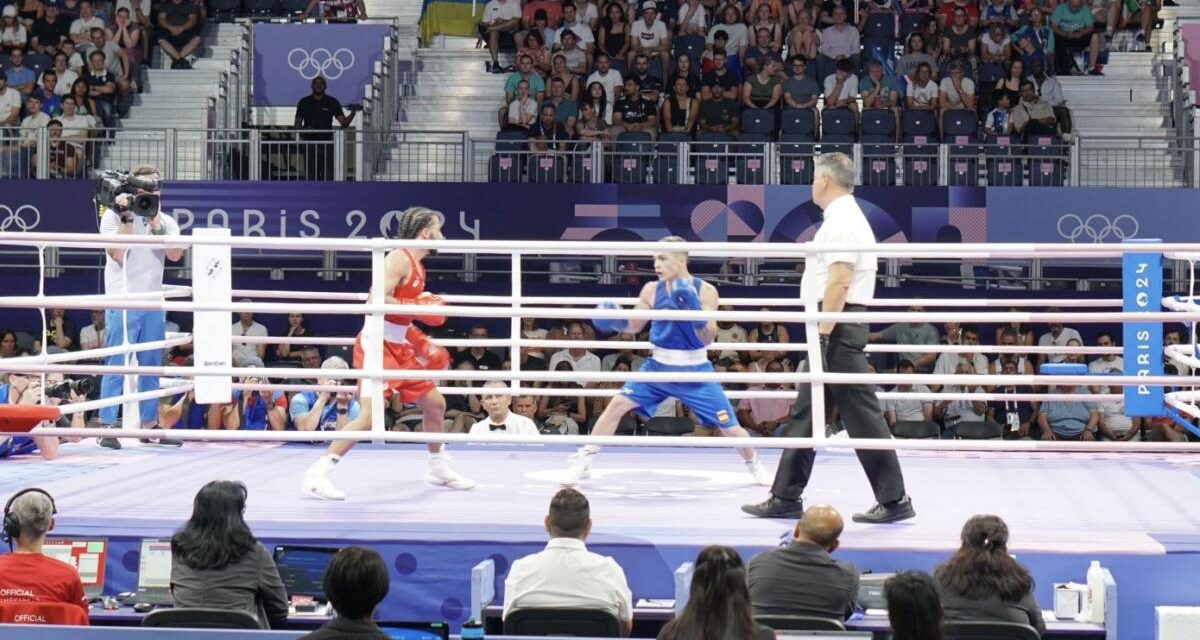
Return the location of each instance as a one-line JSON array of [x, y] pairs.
[[10, 11]]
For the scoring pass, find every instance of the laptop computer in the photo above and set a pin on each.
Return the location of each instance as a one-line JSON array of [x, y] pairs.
[[415, 630], [302, 570], [154, 572], [86, 555]]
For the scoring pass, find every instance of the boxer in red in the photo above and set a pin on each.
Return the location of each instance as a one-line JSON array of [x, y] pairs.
[[404, 347]]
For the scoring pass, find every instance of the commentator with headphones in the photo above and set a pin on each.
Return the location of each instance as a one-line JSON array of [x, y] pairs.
[[25, 574]]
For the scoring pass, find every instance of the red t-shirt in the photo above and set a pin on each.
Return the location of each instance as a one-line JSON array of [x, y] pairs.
[[947, 10], [33, 577]]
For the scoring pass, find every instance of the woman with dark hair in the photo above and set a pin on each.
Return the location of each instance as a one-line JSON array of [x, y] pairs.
[[8, 344], [598, 98], [84, 104], [614, 32], [719, 605], [981, 582], [355, 583], [914, 609], [565, 412], [216, 563]]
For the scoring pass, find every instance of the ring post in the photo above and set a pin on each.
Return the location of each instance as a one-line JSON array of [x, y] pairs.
[[373, 349], [1142, 292], [212, 330], [514, 351], [812, 335]]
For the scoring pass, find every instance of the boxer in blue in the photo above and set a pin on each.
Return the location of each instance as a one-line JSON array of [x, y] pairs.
[[679, 346]]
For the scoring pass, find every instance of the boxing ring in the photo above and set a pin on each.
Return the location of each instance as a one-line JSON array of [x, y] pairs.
[[655, 500]]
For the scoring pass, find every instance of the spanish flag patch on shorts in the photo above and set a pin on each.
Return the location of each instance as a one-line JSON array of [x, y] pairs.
[[723, 416]]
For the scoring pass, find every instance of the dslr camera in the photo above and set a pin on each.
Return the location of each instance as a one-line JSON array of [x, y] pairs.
[[112, 183], [62, 390]]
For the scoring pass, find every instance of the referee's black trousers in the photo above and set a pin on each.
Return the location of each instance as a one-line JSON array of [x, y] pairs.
[[859, 411]]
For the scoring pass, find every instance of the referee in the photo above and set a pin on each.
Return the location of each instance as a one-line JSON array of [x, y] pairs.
[[843, 282]]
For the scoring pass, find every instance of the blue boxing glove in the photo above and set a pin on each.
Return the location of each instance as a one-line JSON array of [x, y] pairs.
[[685, 297], [609, 325]]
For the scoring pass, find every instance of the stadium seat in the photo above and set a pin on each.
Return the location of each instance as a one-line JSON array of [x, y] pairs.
[[878, 125], [666, 426], [225, 9], [964, 162], [955, 630], [587, 623], [547, 168], [911, 22], [582, 171], [758, 121], [749, 160], [711, 153], [837, 125], [1045, 162], [879, 164], [261, 8], [879, 38], [975, 430], [919, 130], [915, 430], [628, 156], [799, 122], [1003, 169], [916, 123], [504, 167], [666, 161], [692, 46], [795, 159]]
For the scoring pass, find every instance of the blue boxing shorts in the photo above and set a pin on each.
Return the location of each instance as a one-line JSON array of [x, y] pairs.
[[706, 400], [16, 446]]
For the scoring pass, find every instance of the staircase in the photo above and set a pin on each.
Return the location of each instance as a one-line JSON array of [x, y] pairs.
[[1123, 122], [181, 99]]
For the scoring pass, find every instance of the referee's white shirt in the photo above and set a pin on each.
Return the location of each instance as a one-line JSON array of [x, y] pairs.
[[844, 225], [515, 424]]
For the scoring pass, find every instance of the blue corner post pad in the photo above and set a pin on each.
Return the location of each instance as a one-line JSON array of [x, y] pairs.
[[1142, 292], [1063, 369]]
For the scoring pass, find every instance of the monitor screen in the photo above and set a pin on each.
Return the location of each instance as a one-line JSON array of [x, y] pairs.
[[303, 568], [154, 564], [86, 556], [415, 630]]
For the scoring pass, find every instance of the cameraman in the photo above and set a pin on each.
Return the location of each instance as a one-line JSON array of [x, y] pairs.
[[135, 270]]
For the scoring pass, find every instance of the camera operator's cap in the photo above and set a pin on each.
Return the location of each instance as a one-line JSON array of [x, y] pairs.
[[10, 11], [649, 5]]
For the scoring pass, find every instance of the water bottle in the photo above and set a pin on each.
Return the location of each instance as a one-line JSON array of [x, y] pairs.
[[1095, 583], [472, 630]]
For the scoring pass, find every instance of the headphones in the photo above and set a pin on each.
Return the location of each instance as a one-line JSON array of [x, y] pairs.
[[12, 527]]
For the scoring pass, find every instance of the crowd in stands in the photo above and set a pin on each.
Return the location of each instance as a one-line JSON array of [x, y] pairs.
[[217, 563], [563, 411], [679, 70], [73, 67]]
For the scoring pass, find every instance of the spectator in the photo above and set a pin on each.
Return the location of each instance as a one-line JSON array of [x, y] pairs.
[[296, 329], [558, 69], [946, 13], [649, 36], [608, 78], [1022, 365], [879, 91], [522, 111], [957, 91], [729, 331], [999, 13], [1074, 28], [907, 410], [767, 16], [765, 416], [322, 410], [1146, 15], [620, 363], [719, 114], [8, 344], [684, 69], [634, 113], [499, 418], [591, 125], [914, 609], [802, 577], [800, 91], [531, 331], [79, 117], [246, 326], [74, 60], [565, 574], [1016, 417], [26, 574], [481, 358], [178, 33], [998, 122], [1033, 116], [49, 31], [1108, 363], [839, 41], [20, 78], [534, 46], [25, 389], [693, 18], [1058, 335], [614, 32], [102, 89], [589, 13], [911, 333], [720, 83], [958, 41], [923, 91], [81, 28], [574, 57], [803, 40], [536, 87], [764, 89], [995, 48], [736, 34], [114, 56], [64, 158], [217, 563], [1035, 40], [526, 406], [651, 85], [573, 23], [719, 605], [547, 133], [259, 410], [952, 413], [13, 34], [1059, 420], [565, 412], [65, 76], [540, 16], [566, 112], [981, 582], [499, 17], [1050, 91], [92, 335], [1010, 84], [47, 93], [60, 331], [1115, 425], [183, 412], [762, 52], [315, 114], [462, 410], [948, 363], [635, 360], [579, 359], [769, 332], [681, 108], [915, 54], [355, 582], [829, 6]]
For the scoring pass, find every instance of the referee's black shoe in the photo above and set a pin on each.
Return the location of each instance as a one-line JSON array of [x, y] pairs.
[[901, 509], [776, 508]]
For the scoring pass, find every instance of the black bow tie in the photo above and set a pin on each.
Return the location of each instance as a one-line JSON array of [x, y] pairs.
[[498, 427]]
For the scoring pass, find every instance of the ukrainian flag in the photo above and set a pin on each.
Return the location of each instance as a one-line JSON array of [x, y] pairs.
[[450, 18]]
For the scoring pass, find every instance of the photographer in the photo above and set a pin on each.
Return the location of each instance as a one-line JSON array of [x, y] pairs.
[[321, 410], [134, 270], [27, 389]]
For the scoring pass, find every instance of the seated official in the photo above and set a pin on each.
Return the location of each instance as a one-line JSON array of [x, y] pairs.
[[355, 582], [719, 604], [802, 578], [321, 410], [216, 563], [499, 419], [982, 583], [566, 575], [914, 609], [25, 574]]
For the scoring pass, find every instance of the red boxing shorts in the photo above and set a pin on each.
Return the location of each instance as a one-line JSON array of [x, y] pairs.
[[396, 356]]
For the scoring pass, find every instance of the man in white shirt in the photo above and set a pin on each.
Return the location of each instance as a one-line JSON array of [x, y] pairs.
[[842, 282], [608, 77], [92, 336], [75, 127], [1109, 362], [246, 326], [572, 22], [580, 359], [81, 28], [499, 17], [565, 575], [499, 418], [10, 103], [649, 36], [947, 363], [1058, 336], [134, 270], [729, 332]]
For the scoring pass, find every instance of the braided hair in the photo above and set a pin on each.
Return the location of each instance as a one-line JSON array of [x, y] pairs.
[[414, 219]]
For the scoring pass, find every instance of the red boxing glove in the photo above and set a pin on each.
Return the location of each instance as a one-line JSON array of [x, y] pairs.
[[429, 355], [426, 298]]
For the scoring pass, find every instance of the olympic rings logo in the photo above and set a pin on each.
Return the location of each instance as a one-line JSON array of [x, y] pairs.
[[1097, 227], [23, 218], [320, 62]]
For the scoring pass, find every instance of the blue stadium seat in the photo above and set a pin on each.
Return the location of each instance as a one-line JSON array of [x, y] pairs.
[[879, 164], [666, 162], [628, 157], [748, 167], [547, 168], [911, 22], [1046, 161], [512, 140], [582, 169], [959, 122], [504, 167], [261, 8], [711, 153], [226, 8], [837, 125], [656, 69], [795, 159], [1003, 169], [919, 124], [989, 74], [964, 163], [692, 46], [759, 121], [799, 122], [878, 125]]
